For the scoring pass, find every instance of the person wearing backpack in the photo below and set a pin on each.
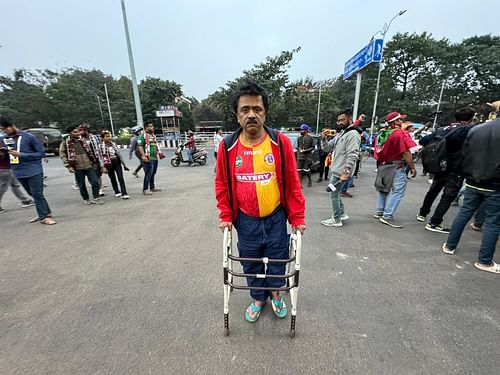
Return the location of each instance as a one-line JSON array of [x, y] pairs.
[[481, 169], [441, 156]]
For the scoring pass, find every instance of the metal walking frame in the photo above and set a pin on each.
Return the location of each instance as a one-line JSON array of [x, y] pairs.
[[291, 275]]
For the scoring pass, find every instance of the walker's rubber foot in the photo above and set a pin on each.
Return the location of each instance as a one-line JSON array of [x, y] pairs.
[[292, 326], [226, 324]]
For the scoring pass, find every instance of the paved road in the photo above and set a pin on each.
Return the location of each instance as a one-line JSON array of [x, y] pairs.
[[134, 287]]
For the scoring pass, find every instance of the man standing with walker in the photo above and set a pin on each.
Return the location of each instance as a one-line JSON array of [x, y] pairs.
[[257, 190]]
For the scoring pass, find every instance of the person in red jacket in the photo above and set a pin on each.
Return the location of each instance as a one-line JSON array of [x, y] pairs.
[[257, 190]]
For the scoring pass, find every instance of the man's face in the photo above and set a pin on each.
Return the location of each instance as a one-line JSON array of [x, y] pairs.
[[343, 121], [251, 114], [84, 132], [75, 133], [107, 138], [10, 130], [303, 132], [150, 129], [398, 123]]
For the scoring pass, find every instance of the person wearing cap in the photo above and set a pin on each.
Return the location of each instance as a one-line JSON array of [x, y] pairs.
[[305, 147], [345, 153], [392, 150], [25, 157]]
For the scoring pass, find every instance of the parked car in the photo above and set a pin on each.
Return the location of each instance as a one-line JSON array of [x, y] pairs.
[[293, 136], [51, 138]]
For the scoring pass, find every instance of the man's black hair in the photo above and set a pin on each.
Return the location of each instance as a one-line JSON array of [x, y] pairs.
[[347, 112], [6, 121], [465, 114], [252, 89], [69, 129]]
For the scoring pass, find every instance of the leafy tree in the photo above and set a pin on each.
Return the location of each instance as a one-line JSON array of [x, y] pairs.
[[155, 92], [271, 74], [23, 98]]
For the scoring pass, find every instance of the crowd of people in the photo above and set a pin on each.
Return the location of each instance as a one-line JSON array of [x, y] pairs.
[[88, 156], [462, 158], [258, 178], [258, 189]]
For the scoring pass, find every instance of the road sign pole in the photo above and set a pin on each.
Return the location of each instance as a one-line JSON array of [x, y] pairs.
[[437, 109], [376, 98], [356, 95]]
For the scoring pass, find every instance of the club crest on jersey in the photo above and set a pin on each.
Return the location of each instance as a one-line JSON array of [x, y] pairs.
[[238, 162], [269, 159]]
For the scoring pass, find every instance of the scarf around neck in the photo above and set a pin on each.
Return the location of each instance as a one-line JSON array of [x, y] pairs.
[[70, 146]]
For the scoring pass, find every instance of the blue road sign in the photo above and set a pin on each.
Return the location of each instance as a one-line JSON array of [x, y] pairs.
[[370, 53]]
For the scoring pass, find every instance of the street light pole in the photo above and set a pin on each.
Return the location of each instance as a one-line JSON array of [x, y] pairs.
[[383, 32], [109, 111], [319, 105], [137, 100]]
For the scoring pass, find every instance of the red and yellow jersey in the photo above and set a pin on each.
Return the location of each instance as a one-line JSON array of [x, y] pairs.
[[257, 187]]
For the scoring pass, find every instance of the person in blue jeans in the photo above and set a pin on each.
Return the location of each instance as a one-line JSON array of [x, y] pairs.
[[25, 154], [480, 165], [393, 147], [150, 152]]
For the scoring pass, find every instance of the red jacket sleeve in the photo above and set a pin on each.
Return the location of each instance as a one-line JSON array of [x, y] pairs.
[[222, 186], [295, 201]]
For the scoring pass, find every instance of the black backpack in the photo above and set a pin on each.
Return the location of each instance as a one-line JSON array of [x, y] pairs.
[[434, 154]]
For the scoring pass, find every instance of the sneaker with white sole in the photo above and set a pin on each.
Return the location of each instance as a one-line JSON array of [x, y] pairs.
[[390, 222], [118, 195], [97, 201], [27, 204], [436, 228], [75, 187], [331, 222], [377, 215], [2, 210], [125, 196], [344, 217], [421, 218], [87, 202], [447, 250]]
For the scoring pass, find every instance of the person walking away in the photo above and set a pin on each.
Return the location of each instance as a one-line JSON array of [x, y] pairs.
[[392, 151], [217, 140], [481, 169], [78, 157], [150, 152], [326, 135], [305, 147], [134, 151], [450, 179], [25, 157], [345, 153], [257, 189], [113, 163]]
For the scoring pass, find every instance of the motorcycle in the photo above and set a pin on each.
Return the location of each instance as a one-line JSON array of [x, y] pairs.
[[200, 156]]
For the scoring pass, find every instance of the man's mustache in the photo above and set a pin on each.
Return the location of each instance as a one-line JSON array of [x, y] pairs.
[[251, 122]]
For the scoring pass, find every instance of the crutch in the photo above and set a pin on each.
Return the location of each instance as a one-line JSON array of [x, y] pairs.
[[293, 280], [227, 264]]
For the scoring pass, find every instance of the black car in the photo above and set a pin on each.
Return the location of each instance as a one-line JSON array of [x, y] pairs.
[[51, 138], [315, 154]]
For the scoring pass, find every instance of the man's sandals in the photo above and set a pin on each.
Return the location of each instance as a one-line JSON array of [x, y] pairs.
[[252, 313]]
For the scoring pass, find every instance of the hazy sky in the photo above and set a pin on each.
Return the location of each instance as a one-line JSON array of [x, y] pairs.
[[202, 44]]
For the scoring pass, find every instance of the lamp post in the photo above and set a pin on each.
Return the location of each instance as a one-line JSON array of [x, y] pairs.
[[137, 100], [319, 105], [383, 32]]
